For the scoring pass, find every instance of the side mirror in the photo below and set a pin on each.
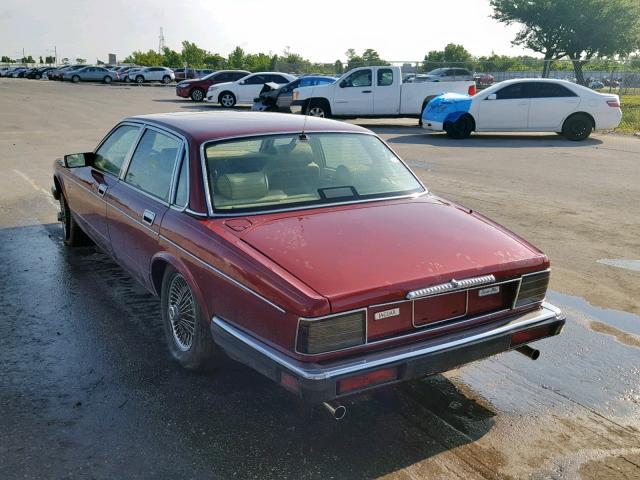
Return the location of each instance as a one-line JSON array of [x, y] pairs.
[[493, 96], [242, 82], [76, 160], [343, 83]]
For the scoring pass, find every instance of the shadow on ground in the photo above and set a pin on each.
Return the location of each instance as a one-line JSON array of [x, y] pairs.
[[90, 389]]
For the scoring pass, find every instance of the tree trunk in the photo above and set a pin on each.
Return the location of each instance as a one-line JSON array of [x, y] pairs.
[[546, 68], [577, 68]]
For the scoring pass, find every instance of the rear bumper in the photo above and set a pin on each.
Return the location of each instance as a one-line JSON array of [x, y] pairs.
[[319, 382]]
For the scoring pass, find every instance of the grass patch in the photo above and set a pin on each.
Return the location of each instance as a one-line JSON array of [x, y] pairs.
[[630, 114]]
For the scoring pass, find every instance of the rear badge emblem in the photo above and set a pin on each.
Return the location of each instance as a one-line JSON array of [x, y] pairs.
[[488, 291], [386, 314]]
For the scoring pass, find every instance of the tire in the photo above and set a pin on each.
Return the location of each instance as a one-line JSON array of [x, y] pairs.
[[577, 127], [166, 79], [197, 95], [72, 235], [106, 79], [75, 79], [38, 76], [139, 79], [227, 100], [187, 332], [460, 129], [317, 109]]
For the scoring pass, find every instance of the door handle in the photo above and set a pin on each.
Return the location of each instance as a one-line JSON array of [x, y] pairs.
[[148, 217], [102, 189], [366, 91]]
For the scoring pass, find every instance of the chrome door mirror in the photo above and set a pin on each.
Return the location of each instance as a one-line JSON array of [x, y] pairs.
[[493, 96], [76, 160]]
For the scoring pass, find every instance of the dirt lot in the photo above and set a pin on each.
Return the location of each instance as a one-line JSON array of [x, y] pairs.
[[87, 388]]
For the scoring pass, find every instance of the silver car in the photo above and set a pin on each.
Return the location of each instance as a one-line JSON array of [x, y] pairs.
[[152, 74], [91, 74], [447, 75]]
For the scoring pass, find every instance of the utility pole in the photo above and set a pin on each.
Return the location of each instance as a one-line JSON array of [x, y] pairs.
[[55, 56]]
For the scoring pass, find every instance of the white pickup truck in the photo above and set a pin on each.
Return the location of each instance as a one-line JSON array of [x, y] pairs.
[[372, 92]]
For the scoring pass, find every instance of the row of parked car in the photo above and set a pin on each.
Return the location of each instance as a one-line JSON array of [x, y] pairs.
[[91, 73]]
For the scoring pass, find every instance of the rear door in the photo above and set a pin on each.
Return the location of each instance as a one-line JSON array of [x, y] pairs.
[[386, 98], [509, 111], [551, 103], [135, 206], [354, 94]]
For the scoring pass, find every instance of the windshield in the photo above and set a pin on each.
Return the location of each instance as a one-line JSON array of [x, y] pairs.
[[283, 171]]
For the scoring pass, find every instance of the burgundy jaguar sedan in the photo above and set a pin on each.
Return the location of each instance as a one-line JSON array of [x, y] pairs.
[[196, 88], [304, 248]]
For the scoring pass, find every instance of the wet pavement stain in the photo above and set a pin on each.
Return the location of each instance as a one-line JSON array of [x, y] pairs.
[[623, 337], [622, 263]]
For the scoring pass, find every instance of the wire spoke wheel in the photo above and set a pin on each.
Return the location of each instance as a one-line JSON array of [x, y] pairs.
[[181, 311]]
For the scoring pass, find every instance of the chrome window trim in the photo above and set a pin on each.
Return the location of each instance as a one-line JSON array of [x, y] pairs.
[[545, 313], [324, 317], [209, 201], [223, 275]]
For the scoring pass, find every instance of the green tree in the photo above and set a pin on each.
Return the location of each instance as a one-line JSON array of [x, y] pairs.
[[41, 59], [369, 57], [81, 61], [453, 54], [578, 29], [215, 61], [145, 59], [50, 59], [171, 58], [192, 54], [6, 59], [236, 58]]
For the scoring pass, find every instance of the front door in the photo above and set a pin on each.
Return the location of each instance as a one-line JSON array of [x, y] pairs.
[[508, 111], [354, 94], [250, 89], [86, 193], [135, 206]]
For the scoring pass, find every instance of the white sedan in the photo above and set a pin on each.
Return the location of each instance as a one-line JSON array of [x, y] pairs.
[[525, 105], [246, 89]]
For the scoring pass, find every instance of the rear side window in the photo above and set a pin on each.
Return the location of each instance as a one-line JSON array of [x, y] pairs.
[[549, 90], [112, 153], [385, 77], [516, 90], [152, 164]]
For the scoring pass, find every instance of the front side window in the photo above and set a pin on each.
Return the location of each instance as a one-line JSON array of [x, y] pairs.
[[385, 77], [511, 92], [361, 78], [282, 171], [255, 80], [152, 164], [114, 150]]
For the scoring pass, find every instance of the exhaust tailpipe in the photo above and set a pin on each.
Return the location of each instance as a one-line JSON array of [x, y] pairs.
[[526, 350], [337, 411]]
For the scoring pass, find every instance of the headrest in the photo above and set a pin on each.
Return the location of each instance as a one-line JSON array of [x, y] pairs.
[[241, 186]]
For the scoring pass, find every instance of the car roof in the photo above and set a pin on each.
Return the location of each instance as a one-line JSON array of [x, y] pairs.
[[203, 126]]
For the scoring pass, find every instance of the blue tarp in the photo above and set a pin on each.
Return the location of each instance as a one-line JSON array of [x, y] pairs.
[[446, 108]]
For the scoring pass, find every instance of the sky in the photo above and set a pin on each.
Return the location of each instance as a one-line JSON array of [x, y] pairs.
[[400, 30]]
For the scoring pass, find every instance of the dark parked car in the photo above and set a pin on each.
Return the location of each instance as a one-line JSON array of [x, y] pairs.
[[60, 72], [38, 73], [304, 248], [196, 89], [449, 75], [277, 98]]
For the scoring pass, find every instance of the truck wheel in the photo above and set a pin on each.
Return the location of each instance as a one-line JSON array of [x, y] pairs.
[[317, 109], [577, 127], [459, 129], [197, 94], [187, 332]]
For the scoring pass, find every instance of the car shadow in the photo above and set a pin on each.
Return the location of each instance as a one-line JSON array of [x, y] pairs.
[[108, 355], [416, 136], [189, 104]]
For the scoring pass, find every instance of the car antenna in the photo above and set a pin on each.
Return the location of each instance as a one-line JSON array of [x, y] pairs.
[[303, 136]]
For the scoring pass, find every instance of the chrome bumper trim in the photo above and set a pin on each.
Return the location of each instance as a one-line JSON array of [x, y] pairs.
[[314, 371]]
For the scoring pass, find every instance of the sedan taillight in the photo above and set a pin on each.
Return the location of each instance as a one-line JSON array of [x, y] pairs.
[[613, 103], [533, 288], [332, 333], [472, 90]]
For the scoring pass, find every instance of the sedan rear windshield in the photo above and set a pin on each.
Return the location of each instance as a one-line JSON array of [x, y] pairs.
[[286, 171]]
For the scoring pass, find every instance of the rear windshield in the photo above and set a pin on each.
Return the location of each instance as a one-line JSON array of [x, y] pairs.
[[285, 171]]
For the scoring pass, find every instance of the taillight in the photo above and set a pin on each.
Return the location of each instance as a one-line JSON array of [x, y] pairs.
[[613, 103], [533, 288], [472, 90], [367, 380], [331, 333]]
